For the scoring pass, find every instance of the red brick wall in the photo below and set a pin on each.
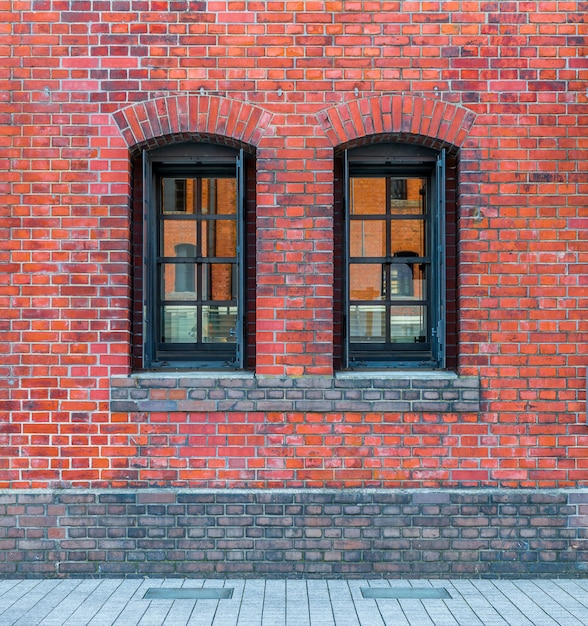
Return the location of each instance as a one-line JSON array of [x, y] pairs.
[[85, 85]]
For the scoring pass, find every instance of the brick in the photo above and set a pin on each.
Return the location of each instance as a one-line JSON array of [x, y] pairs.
[[501, 90]]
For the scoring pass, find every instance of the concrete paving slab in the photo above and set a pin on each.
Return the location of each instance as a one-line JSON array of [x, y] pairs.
[[119, 602]]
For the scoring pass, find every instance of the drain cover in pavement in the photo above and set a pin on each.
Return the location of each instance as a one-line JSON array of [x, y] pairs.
[[189, 593], [405, 593]]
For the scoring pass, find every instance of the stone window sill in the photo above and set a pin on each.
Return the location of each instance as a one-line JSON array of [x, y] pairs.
[[389, 391]]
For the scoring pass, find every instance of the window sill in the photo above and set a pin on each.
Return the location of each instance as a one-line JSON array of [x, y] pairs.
[[406, 391], [383, 374]]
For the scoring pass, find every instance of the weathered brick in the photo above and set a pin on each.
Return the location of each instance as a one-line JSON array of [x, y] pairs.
[[508, 414]]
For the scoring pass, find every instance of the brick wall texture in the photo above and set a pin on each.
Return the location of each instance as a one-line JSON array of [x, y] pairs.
[[86, 85], [294, 533]]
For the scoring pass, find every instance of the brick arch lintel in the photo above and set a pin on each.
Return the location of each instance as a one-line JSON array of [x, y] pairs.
[[191, 115], [402, 117]]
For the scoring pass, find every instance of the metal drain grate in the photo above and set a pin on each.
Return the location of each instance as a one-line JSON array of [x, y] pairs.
[[405, 593], [189, 593]]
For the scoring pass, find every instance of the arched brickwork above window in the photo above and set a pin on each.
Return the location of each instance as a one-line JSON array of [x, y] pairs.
[[403, 118], [192, 117]]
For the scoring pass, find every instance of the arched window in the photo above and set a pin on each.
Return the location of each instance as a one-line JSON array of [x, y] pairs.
[[193, 246], [394, 292]]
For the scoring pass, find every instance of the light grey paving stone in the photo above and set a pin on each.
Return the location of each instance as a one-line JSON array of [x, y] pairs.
[[541, 603], [573, 588], [16, 592], [93, 602], [415, 612], [136, 606], [389, 609], [251, 608], [59, 615], [572, 596], [158, 610], [202, 612], [26, 603], [460, 610], [37, 613], [439, 613], [479, 605], [110, 610], [297, 613], [6, 585], [227, 612], [319, 603], [342, 603], [180, 613], [274, 603], [367, 609]]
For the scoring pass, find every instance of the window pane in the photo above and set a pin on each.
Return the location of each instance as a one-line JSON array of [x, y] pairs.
[[178, 195], [367, 323], [178, 281], [367, 238], [219, 196], [219, 282], [408, 324], [179, 324], [407, 196], [367, 196], [407, 280], [219, 238], [178, 238], [365, 281], [219, 324], [408, 238]]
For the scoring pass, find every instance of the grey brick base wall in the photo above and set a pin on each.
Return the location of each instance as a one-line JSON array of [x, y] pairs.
[[290, 533]]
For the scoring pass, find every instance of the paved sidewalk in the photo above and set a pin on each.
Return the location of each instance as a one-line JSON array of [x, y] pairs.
[[117, 602]]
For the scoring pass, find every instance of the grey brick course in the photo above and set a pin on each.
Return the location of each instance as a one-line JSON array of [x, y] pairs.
[[306, 394], [294, 533]]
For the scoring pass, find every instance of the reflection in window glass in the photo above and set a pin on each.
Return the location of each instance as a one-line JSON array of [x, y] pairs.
[[219, 324], [408, 324], [368, 323], [179, 324], [198, 260]]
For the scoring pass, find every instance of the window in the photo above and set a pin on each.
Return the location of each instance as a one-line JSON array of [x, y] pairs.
[[394, 251], [193, 265]]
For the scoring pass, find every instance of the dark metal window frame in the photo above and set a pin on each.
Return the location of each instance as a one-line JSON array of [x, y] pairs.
[[197, 160], [390, 160]]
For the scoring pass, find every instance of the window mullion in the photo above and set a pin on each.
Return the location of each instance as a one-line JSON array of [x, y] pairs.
[[346, 253]]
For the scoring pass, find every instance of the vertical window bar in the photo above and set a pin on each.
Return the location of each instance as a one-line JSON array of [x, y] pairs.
[[347, 213], [439, 300]]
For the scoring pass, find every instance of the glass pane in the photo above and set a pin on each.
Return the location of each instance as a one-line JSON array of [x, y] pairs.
[[367, 196], [407, 280], [408, 324], [178, 238], [219, 324], [367, 323], [365, 281], [408, 238], [367, 238], [179, 324], [178, 281], [219, 282], [407, 196], [178, 195], [398, 189], [219, 238], [219, 196]]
